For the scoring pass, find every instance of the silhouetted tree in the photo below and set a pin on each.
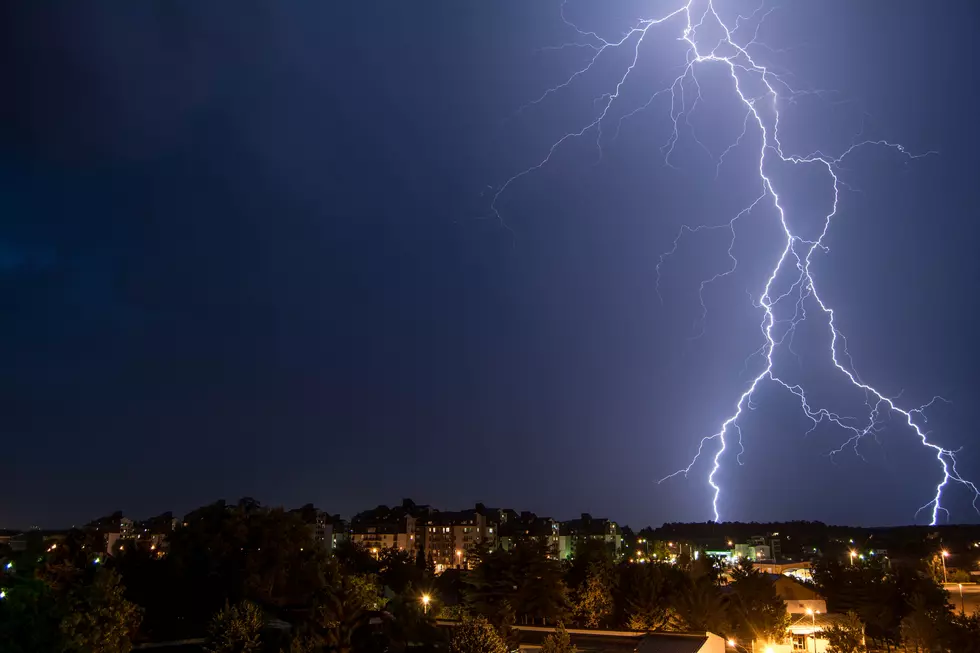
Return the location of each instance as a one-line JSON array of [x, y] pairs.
[[594, 598], [701, 606], [846, 636], [235, 629], [476, 635], [98, 618], [559, 642], [757, 611], [647, 596]]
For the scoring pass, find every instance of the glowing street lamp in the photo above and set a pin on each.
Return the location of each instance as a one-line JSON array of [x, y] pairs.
[[853, 555], [813, 619], [731, 643], [944, 556], [425, 603], [459, 557]]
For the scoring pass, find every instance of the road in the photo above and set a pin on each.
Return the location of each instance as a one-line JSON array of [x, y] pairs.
[[971, 597]]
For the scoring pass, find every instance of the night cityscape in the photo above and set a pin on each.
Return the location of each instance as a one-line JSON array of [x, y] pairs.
[[660, 311]]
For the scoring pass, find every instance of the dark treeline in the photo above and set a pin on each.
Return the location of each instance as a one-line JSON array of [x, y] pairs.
[[250, 578], [799, 538]]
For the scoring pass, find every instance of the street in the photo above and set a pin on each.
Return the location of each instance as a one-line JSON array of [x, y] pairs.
[[970, 600]]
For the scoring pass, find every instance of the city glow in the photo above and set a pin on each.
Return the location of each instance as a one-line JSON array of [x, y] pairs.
[[731, 44]]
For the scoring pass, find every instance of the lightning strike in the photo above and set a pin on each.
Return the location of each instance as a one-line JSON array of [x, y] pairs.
[[762, 115]]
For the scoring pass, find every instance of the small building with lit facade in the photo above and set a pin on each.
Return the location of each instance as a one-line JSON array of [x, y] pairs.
[[808, 618], [451, 536]]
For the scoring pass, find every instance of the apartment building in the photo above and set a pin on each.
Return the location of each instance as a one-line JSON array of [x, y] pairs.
[[576, 532]]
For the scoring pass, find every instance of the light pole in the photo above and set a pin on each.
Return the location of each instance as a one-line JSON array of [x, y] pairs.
[[962, 603], [813, 619], [425, 604], [459, 558], [944, 556], [853, 555]]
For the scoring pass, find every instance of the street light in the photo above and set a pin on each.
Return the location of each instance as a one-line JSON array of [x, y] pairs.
[[944, 556], [853, 555], [459, 557], [731, 643], [425, 603], [962, 604], [813, 619]]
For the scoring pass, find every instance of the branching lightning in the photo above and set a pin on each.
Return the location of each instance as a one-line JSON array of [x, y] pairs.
[[694, 22]]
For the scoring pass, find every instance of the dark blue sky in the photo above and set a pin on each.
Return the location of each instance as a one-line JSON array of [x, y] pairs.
[[244, 251]]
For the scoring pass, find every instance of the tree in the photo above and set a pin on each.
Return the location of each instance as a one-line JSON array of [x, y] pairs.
[[235, 629], [541, 592], [959, 576], [964, 634], [846, 636], [345, 607], [29, 616], [398, 569], [594, 599], [923, 629], [559, 642], [99, 619], [476, 635], [491, 586], [757, 610], [701, 606], [525, 583], [648, 596]]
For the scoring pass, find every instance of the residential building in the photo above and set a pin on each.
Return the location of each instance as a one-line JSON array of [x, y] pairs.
[[797, 569], [576, 532], [451, 536], [752, 551], [528, 525], [808, 613], [402, 527], [398, 533], [114, 530]]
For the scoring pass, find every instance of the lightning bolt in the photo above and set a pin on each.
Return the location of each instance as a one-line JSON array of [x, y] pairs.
[[710, 40]]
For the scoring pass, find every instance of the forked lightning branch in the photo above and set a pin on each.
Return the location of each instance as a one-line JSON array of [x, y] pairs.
[[712, 35]]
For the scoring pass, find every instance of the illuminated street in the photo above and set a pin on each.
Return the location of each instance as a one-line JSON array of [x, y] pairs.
[[970, 597]]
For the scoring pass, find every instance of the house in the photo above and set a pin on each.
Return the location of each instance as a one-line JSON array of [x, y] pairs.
[[808, 613]]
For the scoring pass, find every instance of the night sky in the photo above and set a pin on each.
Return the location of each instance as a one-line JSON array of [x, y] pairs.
[[246, 249]]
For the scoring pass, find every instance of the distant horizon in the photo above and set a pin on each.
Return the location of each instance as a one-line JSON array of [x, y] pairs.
[[577, 515]]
